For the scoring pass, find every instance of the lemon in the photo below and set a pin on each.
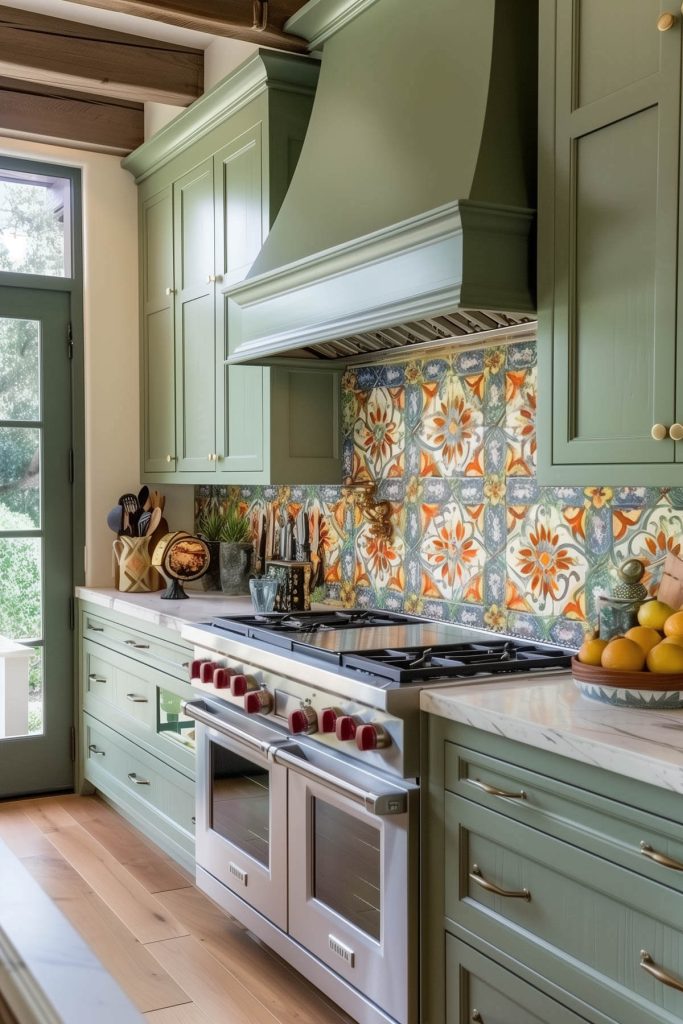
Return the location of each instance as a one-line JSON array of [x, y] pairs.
[[674, 624], [623, 654], [591, 650], [654, 614], [673, 640], [644, 636], [665, 657]]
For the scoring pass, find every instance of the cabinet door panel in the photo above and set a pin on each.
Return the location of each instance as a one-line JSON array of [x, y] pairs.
[[607, 304], [158, 344], [195, 321]]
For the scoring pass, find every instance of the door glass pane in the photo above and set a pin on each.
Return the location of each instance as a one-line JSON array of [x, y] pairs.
[[19, 478], [35, 223], [347, 867], [35, 692], [173, 723], [240, 802], [19, 369], [20, 597]]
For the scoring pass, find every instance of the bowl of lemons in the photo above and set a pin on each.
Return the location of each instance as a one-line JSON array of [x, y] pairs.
[[641, 669]]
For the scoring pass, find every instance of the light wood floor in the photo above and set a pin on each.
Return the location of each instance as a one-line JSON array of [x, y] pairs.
[[178, 957]]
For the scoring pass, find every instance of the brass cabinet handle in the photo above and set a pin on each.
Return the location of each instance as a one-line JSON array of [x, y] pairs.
[[648, 964], [94, 750], [660, 858], [492, 791], [513, 894], [170, 458], [135, 698], [676, 432], [96, 678], [138, 782], [134, 643], [170, 291], [666, 21], [658, 432]]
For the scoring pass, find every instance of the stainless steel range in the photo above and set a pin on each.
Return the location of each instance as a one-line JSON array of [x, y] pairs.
[[308, 784]]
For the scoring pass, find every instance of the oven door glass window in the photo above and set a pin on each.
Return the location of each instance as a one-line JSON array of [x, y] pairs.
[[240, 802], [347, 867]]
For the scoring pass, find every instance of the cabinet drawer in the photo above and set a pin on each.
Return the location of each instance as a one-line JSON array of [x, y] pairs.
[[130, 775], [134, 643], [139, 702], [642, 842], [477, 989], [583, 922]]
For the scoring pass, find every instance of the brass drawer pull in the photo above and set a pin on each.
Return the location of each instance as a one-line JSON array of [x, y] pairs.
[[660, 858], [135, 698], [97, 679], [94, 750], [513, 894], [492, 791], [648, 964], [138, 782], [134, 643]]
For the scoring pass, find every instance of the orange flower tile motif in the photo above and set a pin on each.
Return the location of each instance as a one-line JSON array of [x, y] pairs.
[[379, 562], [379, 434], [451, 430], [650, 534], [545, 561], [451, 553], [520, 422]]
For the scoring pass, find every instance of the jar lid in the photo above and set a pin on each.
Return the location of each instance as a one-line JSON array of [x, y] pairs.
[[632, 570]]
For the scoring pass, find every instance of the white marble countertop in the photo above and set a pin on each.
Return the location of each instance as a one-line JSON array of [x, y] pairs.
[[551, 714], [48, 975]]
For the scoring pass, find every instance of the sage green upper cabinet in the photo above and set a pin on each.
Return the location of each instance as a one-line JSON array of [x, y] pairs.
[[158, 369], [608, 242], [211, 184]]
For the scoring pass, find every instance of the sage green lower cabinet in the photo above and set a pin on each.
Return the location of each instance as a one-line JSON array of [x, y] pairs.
[[539, 894], [137, 746]]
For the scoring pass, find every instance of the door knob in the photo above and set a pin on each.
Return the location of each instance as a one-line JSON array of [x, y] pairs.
[[666, 21], [658, 432], [676, 432]]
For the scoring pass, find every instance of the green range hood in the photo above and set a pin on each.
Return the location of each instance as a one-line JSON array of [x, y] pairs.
[[411, 213]]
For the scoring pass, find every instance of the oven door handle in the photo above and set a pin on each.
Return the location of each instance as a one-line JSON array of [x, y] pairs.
[[205, 715], [393, 802]]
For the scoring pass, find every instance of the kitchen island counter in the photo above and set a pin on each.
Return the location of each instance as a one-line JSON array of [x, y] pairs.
[[549, 713]]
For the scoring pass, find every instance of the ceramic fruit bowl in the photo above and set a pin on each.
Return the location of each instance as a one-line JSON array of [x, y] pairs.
[[658, 691]]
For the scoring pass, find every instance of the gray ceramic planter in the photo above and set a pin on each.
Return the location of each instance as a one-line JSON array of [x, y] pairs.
[[235, 562]]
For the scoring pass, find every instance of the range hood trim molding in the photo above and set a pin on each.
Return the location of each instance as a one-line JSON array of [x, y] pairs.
[[442, 255], [318, 20]]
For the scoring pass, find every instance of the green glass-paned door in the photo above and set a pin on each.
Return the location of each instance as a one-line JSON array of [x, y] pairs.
[[616, 175], [36, 564]]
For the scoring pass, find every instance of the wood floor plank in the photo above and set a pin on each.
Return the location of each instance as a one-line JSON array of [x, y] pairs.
[[48, 815], [140, 911], [23, 837], [138, 973], [217, 992], [188, 1013], [146, 862], [287, 995]]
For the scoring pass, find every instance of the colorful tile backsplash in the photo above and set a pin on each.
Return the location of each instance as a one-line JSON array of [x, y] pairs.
[[451, 442]]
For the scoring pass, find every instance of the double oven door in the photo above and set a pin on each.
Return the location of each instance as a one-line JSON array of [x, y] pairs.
[[323, 849]]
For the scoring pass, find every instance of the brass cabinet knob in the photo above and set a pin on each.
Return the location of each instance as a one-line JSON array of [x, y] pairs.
[[170, 291], [658, 432], [676, 432], [666, 21], [170, 458], [213, 278], [477, 1017]]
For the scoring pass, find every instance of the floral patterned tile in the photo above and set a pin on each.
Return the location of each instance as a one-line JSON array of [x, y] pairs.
[[648, 534], [452, 554], [546, 564], [379, 435], [520, 421], [450, 435]]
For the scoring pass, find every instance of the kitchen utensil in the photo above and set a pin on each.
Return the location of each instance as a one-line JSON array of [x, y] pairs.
[[115, 519], [154, 520], [129, 502], [143, 522], [263, 593], [143, 497]]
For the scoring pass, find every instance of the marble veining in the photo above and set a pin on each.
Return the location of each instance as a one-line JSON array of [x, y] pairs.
[[551, 714]]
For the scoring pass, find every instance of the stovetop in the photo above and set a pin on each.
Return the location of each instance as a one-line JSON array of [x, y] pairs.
[[391, 648]]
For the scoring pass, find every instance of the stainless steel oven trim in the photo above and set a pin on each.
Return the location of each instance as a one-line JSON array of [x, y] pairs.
[[224, 721], [393, 801]]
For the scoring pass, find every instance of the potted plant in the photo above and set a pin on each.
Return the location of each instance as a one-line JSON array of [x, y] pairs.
[[209, 527], [236, 549]]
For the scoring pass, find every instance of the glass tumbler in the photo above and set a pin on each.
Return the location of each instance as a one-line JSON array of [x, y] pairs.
[[263, 592]]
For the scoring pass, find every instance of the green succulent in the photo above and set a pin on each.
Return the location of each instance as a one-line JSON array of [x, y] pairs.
[[210, 524], [231, 526]]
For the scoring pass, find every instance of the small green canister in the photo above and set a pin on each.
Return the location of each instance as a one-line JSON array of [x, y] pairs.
[[619, 612]]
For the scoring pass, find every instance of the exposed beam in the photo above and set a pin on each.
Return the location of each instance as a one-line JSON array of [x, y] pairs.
[[233, 18], [91, 122], [71, 55]]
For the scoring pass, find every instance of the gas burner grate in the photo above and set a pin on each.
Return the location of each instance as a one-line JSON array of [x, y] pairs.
[[273, 625], [452, 661]]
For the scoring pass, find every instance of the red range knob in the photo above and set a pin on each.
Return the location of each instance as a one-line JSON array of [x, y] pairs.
[[327, 719], [221, 678], [239, 685], [195, 668], [258, 702], [206, 671], [345, 727], [372, 737], [303, 720]]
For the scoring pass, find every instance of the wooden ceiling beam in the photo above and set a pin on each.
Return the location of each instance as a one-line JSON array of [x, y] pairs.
[[70, 55], [233, 18], [90, 122]]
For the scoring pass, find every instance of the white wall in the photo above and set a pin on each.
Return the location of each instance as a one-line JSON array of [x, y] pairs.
[[112, 422]]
